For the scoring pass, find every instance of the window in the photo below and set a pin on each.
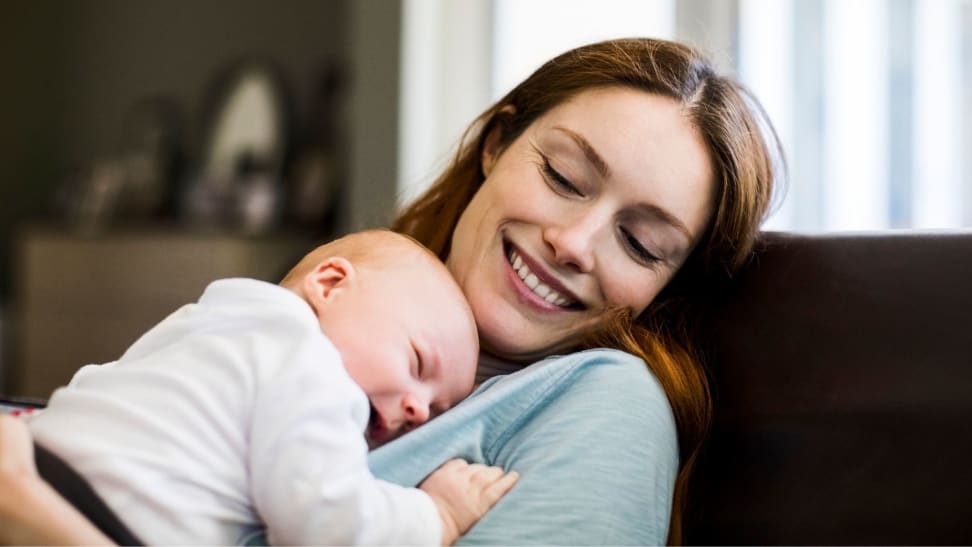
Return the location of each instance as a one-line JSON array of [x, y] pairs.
[[869, 97]]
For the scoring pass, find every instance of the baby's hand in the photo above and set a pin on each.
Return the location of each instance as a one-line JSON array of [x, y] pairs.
[[464, 492]]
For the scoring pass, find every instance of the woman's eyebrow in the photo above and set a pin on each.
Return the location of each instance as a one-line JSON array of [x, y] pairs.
[[667, 218], [589, 151]]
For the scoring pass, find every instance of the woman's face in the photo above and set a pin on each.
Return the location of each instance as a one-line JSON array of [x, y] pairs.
[[596, 205]]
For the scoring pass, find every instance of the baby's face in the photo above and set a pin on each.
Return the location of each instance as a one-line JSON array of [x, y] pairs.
[[408, 339]]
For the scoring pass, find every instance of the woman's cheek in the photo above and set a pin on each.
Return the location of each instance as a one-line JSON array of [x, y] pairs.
[[635, 292]]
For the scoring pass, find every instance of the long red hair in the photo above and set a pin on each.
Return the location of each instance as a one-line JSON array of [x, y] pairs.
[[742, 146]]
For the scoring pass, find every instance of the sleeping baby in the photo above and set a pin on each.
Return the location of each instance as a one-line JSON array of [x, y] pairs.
[[255, 407]]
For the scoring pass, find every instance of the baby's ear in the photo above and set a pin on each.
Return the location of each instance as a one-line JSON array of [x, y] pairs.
[[327, 280]]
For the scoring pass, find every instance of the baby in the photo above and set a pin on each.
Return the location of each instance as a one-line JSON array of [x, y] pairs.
[[248, 407]]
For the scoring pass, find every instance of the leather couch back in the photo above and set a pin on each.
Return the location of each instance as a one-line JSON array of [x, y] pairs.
[[842, 372]]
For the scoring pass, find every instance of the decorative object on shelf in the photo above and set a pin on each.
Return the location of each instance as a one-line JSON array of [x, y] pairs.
[[239, 183], [137, 182], [88, 196], [318, 171], [152, 156]]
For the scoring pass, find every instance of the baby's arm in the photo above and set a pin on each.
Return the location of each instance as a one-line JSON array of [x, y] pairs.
[[305, 498], [464, 492], [31, 511]]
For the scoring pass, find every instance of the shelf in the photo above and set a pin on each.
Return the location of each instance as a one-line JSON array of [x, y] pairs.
[[82, 299]]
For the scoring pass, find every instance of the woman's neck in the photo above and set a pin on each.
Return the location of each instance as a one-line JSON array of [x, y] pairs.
[[490, 365]]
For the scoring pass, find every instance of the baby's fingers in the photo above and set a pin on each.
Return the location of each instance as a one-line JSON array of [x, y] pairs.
[[499, 488], [484, 475]]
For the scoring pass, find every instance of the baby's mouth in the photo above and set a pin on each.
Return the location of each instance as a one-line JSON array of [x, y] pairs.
[[376, 426]]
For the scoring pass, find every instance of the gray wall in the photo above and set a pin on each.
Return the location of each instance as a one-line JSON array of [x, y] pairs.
[[72, 68], [375, 60]]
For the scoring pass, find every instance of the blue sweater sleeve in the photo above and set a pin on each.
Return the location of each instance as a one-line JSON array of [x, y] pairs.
[[592, 436]]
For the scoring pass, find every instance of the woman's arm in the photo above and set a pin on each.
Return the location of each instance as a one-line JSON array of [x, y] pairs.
[[31, 511]]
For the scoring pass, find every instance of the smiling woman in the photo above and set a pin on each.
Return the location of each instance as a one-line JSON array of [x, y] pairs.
[[625, 178]]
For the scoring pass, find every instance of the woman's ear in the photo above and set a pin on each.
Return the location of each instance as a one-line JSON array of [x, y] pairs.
[[327, 281], [492, 145]]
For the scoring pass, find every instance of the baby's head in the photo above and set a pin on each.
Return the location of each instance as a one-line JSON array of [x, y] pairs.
[[399, 320]]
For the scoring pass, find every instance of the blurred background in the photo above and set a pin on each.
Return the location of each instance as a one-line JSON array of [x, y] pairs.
[[149, 147]]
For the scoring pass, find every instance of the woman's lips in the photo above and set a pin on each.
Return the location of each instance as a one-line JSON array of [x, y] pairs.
[[535, 285]]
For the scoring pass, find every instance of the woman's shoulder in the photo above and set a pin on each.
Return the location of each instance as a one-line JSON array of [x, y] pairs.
[[596, 448], [603, 372], [611, 366], [598, 389], [614, 378]]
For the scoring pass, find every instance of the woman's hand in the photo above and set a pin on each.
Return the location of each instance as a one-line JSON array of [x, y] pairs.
[[17, 474], [16, 449], [463, 492], [31, 512]]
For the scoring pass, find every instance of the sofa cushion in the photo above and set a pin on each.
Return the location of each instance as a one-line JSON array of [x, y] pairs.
[[842, 372]]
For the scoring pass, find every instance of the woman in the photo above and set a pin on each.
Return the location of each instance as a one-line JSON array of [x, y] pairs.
[[588, 208]]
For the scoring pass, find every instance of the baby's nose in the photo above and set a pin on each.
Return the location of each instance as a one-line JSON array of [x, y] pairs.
[[416, 409]]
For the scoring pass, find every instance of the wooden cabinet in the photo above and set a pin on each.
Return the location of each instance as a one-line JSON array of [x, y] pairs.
[[82, 300]]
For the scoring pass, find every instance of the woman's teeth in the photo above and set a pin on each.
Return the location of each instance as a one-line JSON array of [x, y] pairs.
[[530, 280]]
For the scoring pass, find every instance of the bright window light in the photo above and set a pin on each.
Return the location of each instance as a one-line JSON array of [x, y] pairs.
[[937, 107], [528, 33]]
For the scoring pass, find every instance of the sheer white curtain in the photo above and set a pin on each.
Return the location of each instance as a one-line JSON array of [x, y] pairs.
[[938, 106], [446, 63], [769, 73], [870, 97]]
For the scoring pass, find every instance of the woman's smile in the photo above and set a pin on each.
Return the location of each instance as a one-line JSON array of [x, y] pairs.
[[535, 285]]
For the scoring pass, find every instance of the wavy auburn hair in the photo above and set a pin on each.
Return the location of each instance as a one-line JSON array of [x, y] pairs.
[[742, 146]]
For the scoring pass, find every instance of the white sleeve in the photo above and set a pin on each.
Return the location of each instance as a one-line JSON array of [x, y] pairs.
[[308, 463]]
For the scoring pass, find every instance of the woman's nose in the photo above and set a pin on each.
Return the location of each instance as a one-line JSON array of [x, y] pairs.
[[416, 409], [573, 240]]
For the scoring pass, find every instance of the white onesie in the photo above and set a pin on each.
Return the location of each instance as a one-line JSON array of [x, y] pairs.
[[233, 412]]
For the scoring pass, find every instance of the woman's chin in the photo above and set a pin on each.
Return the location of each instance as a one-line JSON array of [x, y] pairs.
[[514, 332], [511, 336]]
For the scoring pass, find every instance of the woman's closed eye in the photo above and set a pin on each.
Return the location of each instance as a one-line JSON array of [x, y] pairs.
[[636, 248], [558, 180]]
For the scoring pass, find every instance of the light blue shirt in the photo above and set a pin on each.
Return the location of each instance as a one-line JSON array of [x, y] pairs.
[[592, 436]]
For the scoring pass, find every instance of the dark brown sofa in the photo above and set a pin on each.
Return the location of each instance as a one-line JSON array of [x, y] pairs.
[[842, 370]]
